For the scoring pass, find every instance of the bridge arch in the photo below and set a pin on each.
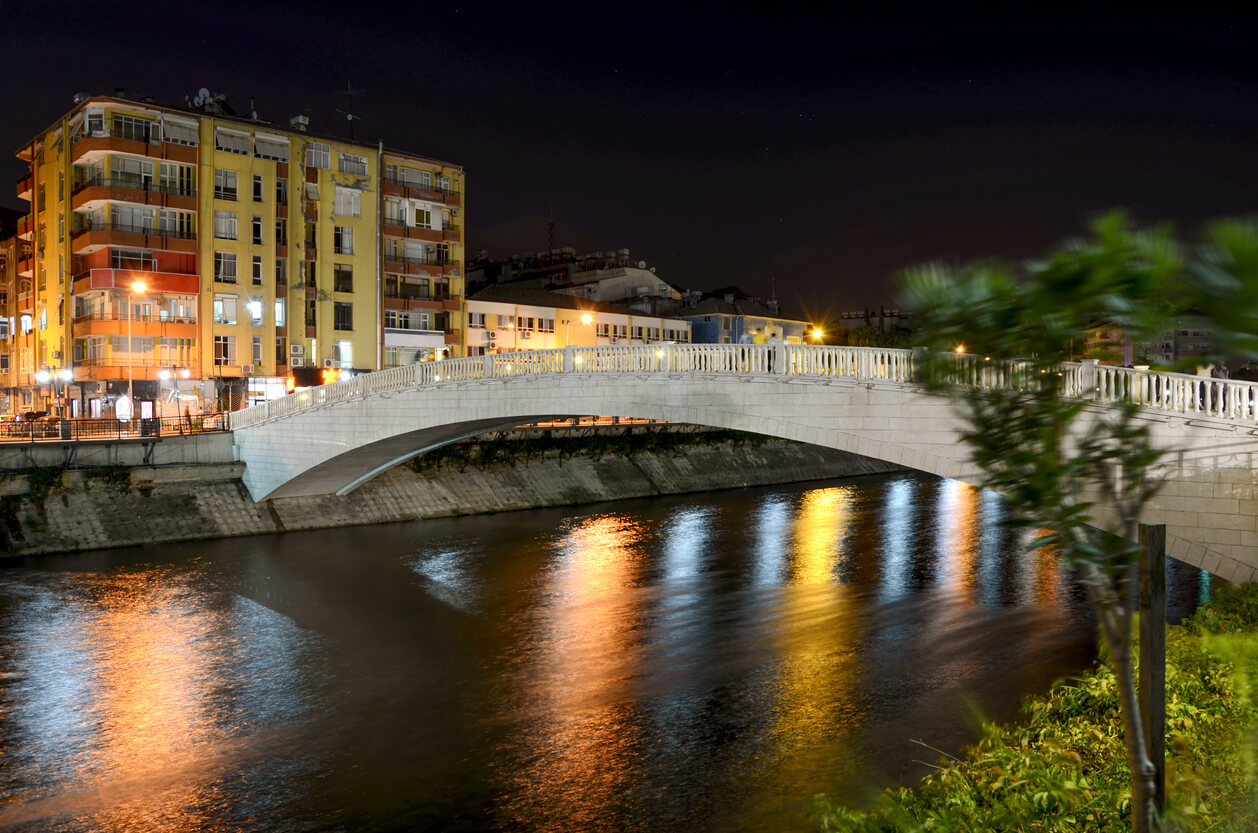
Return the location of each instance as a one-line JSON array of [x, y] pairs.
[[332, 439]]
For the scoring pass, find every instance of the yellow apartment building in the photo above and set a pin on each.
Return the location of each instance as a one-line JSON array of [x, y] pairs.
[[191, 258]]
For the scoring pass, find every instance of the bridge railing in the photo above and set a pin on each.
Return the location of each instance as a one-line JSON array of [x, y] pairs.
[[1170, 392]]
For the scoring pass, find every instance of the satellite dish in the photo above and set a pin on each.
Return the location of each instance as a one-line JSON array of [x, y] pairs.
[[641, 264], [202, 99]]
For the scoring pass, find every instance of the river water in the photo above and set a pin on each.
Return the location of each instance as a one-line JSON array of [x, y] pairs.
[[702, 662]]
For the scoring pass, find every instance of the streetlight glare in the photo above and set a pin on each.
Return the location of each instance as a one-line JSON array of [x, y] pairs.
[[960, 348], [816, 332], [586, 319], [139, 286]]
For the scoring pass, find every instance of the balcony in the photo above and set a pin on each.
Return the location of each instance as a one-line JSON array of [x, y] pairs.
[[24, 227], [116, 324], [26, 266], [424, 300], [403, 265], [25, 185], [451, 234], [90, 237], [177, 283], [99, 144], [398, 228], [131, 189], [395, 187]]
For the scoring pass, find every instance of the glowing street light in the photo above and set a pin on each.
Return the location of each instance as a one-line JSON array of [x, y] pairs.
[[816, 333], [960, 348]]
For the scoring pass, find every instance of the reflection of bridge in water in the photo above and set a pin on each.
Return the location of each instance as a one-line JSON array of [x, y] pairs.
[[333, 438]]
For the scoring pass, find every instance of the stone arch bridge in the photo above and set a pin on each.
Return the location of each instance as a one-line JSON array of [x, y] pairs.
[[333, 438]]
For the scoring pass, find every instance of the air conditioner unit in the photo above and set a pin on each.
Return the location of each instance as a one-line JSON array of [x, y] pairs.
[[491, 335], [493, 345], [328, 363], [56, 354], [614, 339], [247, 369], [526, 334], [297, 350], [296, 361]]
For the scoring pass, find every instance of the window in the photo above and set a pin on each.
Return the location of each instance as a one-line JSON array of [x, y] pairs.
[[348, 202], [270, 147], [224, 309], [224, 349], [130, 217], [176, 351], [475, 319], [351, 164], [135, 129], [61, 185], [224, 184], [257, 188], [281, 231], [312, 312], [231, 141], [177, 179], [225, 225], [257, 270], [523, 323], [342, 240], [545, 325], [280, 308], [61, 227], [281, 354], [393, 213], [343, 278], [176, 223], [318, 156], [257, 349], [255, 311], [137, 259], [129, 173], [604, 330], [281, 191], [343, 353], [423, 218], [224, 267], [281, 272], [342, 316], [257, 230], [95, 122]]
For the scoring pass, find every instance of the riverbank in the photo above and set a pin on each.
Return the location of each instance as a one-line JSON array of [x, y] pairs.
[[52, 509]]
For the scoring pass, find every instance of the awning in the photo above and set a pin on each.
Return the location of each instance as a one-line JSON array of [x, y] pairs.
[[231, 142], [181, 133], [268, 147]]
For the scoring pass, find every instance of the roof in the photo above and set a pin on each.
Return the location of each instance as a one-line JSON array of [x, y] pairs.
[[511, 293], [241, 120], [744, 307]]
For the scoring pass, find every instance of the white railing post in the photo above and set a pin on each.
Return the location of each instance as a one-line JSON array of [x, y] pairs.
[[1087, 378], [488, 370]]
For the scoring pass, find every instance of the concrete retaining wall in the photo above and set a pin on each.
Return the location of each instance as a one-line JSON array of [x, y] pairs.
[[81, 510]]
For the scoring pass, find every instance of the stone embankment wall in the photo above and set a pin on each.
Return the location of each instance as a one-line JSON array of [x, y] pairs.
[[49, 509]]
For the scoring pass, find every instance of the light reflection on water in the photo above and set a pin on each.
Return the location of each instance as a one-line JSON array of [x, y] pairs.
[[704, 662]]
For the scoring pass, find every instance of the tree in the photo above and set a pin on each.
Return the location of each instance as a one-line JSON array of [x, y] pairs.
[[1053, 456]]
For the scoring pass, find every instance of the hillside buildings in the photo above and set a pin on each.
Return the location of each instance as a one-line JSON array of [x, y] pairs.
[[193, 256]]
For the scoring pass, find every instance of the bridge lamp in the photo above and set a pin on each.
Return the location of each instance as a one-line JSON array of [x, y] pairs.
[[659, 354], [508, 368], [576, 360], [960, 348], [817, 334]]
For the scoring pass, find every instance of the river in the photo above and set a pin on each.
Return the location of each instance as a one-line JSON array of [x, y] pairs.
[[700, 662]]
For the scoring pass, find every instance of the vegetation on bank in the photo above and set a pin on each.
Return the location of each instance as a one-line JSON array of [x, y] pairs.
[[1064, 769], [511, 447]]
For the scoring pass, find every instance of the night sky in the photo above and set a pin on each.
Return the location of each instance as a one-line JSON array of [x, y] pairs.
[[811, 156]]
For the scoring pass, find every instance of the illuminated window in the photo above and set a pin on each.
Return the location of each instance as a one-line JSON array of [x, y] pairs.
[[225, 225], [224, 309]]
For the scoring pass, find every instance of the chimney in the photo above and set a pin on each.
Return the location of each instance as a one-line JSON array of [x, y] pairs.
[[729, 297]]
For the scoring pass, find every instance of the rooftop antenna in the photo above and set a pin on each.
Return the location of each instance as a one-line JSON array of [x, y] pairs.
[[350, 92], [550, 235]]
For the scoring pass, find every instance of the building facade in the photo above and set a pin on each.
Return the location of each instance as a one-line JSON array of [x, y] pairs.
[[505, 319], [731, 318], [188, 258]]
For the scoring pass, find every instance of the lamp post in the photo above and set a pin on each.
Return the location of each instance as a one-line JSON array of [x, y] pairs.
[[137, 288]]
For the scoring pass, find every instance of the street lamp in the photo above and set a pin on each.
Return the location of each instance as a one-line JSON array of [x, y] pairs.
[[137, 288]]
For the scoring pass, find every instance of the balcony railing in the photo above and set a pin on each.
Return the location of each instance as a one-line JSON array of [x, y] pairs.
[[123, 228], [428, 192], [139, 319], [134, 183]]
